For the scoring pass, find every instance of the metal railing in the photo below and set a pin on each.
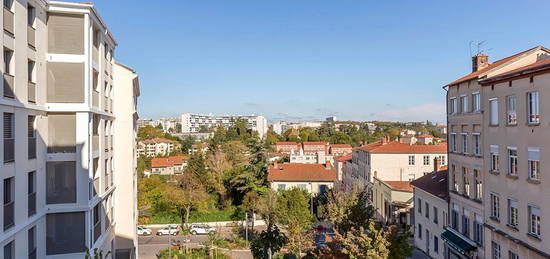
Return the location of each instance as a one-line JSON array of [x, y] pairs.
[[8, 21], [31, 38], [32, 204], [31, 92], [32, 148], [9, 215], [8, 86], [9, 150]]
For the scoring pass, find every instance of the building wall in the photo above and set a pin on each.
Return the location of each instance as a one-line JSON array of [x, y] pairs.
[[518, 187], [395, 167], [384, 197], [192, 122], [428, 223], [311, 187]]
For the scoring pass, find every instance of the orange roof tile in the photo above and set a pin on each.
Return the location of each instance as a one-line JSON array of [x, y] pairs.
[[400, 185], [344, 158], [301, 172], [403, 148], [168, 161], [491, 66]]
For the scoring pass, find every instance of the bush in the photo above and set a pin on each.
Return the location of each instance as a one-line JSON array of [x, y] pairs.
[[192, 253]]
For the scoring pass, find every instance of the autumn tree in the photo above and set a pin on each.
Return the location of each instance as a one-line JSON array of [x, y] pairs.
[[294, 214], [399, 242], [217, 165], [358, 243], [188, 194]]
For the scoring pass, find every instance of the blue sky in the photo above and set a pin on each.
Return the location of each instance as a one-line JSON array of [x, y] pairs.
[[308, 59]]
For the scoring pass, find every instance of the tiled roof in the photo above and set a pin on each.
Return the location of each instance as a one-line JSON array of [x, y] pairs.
[[491, 66], [157, 140], [434, 183], [441, 126], [286, 143], [400, 185], [168, 161], [403, 148], [301, 172], [534, 67], [340, 145], [344, 158], [315, 143]]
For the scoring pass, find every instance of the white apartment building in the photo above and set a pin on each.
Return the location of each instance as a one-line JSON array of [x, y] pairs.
[[431, 210], [483, 138], [156, 147], [193, 122], [59, 106]]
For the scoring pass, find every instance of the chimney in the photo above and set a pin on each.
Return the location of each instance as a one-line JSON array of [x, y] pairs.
[[384, 140], [479, 61], [328, 165], [437, 164], [275, 165]]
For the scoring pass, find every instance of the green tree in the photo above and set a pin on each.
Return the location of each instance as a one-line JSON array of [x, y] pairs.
[[358, 244], [186, 144], [217, 166], [196, 166], [178, 127], [149, 132], [399, 243], [203, 129], [187, 195], [293, 212], [268, 242]]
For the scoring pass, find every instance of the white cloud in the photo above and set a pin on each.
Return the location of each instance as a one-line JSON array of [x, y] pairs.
[[434, 112]]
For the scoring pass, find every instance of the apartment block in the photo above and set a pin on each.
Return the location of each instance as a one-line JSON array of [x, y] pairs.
[[58, 107], [157, 147], [195, 122], [487, 141]]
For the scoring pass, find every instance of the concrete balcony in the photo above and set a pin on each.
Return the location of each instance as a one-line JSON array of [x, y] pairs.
[[9, 86], [31, 36], [31, 92], [8, 21]]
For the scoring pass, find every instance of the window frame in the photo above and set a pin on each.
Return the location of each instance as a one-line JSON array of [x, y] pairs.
[[493, 112], [533, 163], [476, 102], [513, 161], [511, 110], [513, 213], [533, 109], [534, 228]]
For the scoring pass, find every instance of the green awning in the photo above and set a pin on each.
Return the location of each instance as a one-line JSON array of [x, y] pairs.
[[457, 242]]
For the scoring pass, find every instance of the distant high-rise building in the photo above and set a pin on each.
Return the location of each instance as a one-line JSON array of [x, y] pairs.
[[66, 107], [195, 122]]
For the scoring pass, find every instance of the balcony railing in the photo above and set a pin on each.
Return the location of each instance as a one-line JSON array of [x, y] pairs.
[[8, 21], [9, 150], [32, 204], [31, 92], [31, 39], [95, 99], [9, 215], [95, 143], [8, 86], [32, 148]]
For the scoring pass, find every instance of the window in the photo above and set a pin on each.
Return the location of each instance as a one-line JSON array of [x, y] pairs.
[[454, 217], [478, 229], [9, 203], [419, 206], [97, 221], [495, 206], [412, 176], [476, 102], [442, 160], [466, 223], [322, 189], [65, 233], [464, 143], [31, 138], [436, 244], [435, 215], [453, 142], [31, 236], [512, 213], [511, 115], [427, 210], [496, 250], [281, 187], [453, 106], [512, 161], [494, 158], [9, 249], [464, 103], [8, 61], [455, 179], [512, 255], [420, 231], [533, 160], [411, 160], [426, 160], [493, 105], [533, 114], [466, 178], [31, 193], [60, 182], [31, 14], [31, 76], [301, 186], [478, 185], [534, 220], [477, 143], [9, 137]]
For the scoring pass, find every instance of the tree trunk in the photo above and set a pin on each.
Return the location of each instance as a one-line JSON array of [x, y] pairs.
[[187, 211]]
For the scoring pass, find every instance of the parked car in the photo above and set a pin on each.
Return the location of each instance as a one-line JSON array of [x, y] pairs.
[[198, 229], [170, 230], [143, 231]]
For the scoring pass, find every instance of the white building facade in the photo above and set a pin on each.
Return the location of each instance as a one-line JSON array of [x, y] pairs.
[[193, 122], [57, 155]]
